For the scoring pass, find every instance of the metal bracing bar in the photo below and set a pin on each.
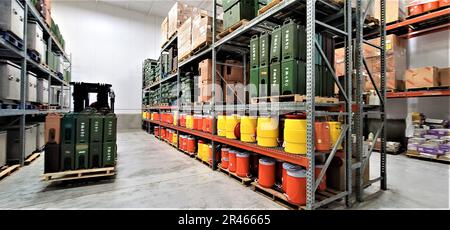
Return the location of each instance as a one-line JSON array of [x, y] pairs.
[[372, 81], [330, 157], [330, 68], [310, 100], [371, 44], [228, 64], [372, 181], [366, 159], [341, 32], [330, 199], [366, 12], [329, 5]]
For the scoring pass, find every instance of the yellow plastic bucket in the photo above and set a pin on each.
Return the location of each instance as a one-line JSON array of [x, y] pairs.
[[200, 150], [248, 129], [222, 125], [295, 136], [189, 121], [231, 122], [267, 132], [144, 115], [175, 118], [174, 138], [335, 131]]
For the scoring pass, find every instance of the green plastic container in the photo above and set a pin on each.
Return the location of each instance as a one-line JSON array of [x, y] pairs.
[[237, 12], [294, 41], [109, 154], [110, 128], [82, 128], [67, 157], [95, 155], [264, 81], [275, 44], [81, 156], [254, 82], [275, 79], [254, 52], [96, 127], [68, 129], [293, 77], [264, 50]]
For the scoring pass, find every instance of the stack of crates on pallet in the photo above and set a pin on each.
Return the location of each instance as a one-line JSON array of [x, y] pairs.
[[187, 89], [202, 30], [185, 39], [178, 14], [237, 10], [165, 65], [150, 71], [233, 82], [169, 93], [172, 59], [205, 82]]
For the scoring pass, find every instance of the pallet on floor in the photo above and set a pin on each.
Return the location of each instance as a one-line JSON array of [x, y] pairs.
[[269, 6], [31, 158], [202, 161], [187, 153], [79, 174], [276, 196], [440, 158], [8, 170], [243, 180], [294, 98], [224, 33]]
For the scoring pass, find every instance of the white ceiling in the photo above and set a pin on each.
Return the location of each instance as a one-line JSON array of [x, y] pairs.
[[158, 8]]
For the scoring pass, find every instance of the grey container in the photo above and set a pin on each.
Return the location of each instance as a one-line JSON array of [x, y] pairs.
[[35, 38], [42, 91], [2, 148], [66, 97], [55, 92], [32, 87], [40, 137], [9, 81], [11, 17], [13, 154]]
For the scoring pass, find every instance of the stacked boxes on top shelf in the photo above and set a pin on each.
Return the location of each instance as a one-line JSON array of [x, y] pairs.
[[202, 30], [150, 71], [237, 10]]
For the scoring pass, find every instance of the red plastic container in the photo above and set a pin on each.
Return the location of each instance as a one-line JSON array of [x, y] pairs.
[[182, 120], [444, 3], [156, 131], [162, 133], [170, 136], [323, 140], [296, 186], [207, 123], [191, 143], [197, 122], [430, 6], [286, 167], [224, 153], [232, 160], [323, 182], [225, 162], [156, 117], [266, 172], [217, 155], [242, 164], [416, 9]]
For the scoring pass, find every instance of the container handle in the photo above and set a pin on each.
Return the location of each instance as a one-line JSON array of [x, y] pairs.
[[287, 21], [276, 27], [254, 36]]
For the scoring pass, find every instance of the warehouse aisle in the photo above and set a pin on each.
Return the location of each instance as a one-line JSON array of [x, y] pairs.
[[154, 175], [151, 175]]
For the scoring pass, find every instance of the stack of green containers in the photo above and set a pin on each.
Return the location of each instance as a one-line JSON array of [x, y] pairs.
[[254, 67], [109, 140], [264, 62], [237, 10], [68, 123], [82, 140], [95, 140], [187, 90]]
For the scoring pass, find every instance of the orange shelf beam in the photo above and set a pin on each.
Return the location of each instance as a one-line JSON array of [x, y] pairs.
[[425, 93], [418, 19]]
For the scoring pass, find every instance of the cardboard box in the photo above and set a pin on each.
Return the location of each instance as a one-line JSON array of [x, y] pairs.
[[234, 93], [164, 28], [205, 92], [391, 82], [184, 39], [233, 73], [422, 77], [444, 76], [202, 30], [48, 12], [395, 10], [178, 14], [205, 70]]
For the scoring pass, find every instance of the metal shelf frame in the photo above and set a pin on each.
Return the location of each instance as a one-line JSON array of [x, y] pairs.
[[9, 52], [353, 23]]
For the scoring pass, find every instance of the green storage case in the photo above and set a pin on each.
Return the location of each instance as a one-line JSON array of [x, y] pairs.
[[110, 128], [96, 128], [294, 41], [67, 157], [95, 155], [275, 44], [293, 77], [82, 128], [254, 83], [68, 127], [264, 49], [81, 156], [254, 52], [238, 12], [264, 81], [275, 79], [109, 154]]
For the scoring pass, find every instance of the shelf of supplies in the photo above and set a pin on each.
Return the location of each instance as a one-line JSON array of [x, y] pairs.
[[17, 112], [423, 93], [8, 50], [169, 43], [195, 57], [276, 153]]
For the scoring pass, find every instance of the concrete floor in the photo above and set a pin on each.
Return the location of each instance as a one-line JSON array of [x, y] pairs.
[[154, 175]]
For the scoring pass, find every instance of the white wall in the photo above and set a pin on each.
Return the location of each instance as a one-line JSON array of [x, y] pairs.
[[429, 50], [108, 45]]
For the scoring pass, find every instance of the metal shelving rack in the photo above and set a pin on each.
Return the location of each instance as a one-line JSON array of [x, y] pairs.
[[341, 23], [16, 55]]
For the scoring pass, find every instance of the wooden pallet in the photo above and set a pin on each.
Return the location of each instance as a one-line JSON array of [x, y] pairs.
[[204, 162], [183, 57], [31, 158], [43, 107], [8, 170], [187, 153], [79, 174], [269, 6], [441, 158], [243, 180], [224, 33], [429, 88], [201, 47], [275, 196], [293, 98]]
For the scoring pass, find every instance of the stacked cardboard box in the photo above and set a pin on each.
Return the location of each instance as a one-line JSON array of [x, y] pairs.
[[205, 81], [430, 142], [178, 14], [202, 30], [164, 31], [395, 10], [48, 12], [422, 77], [233, 82], [444, 76], [184, 39]]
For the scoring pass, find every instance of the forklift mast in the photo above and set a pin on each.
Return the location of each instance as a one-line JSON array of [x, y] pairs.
[[81, 92]]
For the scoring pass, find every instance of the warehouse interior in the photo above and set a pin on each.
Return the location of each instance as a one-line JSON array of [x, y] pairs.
[[225, 104]]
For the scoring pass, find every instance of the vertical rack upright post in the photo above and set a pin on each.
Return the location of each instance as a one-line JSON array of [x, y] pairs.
[[213, 90]]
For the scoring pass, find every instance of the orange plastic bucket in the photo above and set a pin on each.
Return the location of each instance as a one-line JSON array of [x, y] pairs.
[[444, 3], [286, 167], [266, 172], [170, 136], [296, 186], [197, 122], [225, 162], [323, 182], [210, 155], [242, 164], [224, 153], [430, 6], [207, 123], [232, 160], [156, 131], [416, 9], [156, 116], [323, 140], [182, 120], [162, 133], [191, 144]]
